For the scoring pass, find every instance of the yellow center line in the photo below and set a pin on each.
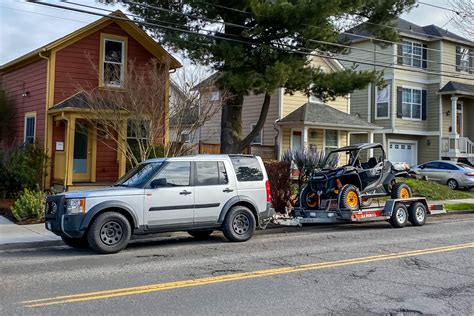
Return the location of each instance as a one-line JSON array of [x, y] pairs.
[[89, 296]]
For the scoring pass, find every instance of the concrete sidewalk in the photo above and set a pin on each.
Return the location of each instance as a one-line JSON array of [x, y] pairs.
[[11, 233]]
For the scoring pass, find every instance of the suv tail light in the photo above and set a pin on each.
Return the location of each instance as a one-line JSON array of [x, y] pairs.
[[470, 174], [267, 188]]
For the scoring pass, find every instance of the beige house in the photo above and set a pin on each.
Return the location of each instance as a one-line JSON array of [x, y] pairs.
[[427, 108], [294, 121]]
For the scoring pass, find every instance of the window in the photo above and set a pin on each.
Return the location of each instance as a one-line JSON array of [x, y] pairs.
[[431, 165], [447, 166], [210, 173], [30, 128], [215, 96], [462, 59], [139, 175], [296, 140], [185, 137], [411, 103], [412, 54], [332, 140], [137, 131], [258, 140], [383, 102], [247, 168], [113, 63], [176, 173]]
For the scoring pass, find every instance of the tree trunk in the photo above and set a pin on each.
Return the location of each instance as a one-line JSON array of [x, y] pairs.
[[231, 125]]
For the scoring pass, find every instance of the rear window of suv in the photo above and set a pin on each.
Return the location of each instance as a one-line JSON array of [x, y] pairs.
[[247, 169]]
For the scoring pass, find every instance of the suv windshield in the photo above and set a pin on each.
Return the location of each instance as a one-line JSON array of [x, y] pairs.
[[138, 176]]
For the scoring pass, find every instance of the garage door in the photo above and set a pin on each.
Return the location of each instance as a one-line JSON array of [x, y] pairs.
[[402, 152]]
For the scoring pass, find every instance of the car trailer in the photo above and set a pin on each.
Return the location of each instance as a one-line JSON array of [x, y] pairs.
[[396, 211]]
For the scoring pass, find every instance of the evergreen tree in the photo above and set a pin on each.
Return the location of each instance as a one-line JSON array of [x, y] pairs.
[[260, 45]]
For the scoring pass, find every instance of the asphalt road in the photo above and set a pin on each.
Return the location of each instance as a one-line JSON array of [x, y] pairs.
[[343, 269]]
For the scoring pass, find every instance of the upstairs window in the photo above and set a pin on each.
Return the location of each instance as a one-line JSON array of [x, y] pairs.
[[463, 59], [113, 62], [383, 102], [412, 54], [30, 128], [411, 103], [215, 96], [258, 140]]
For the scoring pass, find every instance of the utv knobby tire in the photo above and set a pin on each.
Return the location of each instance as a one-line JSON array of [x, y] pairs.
[[109, 233], [78, 243], [417, 214], [349, 198], [239, 224], [399, 216], [401, 191], [306, 200], [201, 234]]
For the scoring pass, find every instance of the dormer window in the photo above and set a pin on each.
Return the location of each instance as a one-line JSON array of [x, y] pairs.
[[113, 61]]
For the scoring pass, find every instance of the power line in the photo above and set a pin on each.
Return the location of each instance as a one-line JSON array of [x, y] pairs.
[[438, 7], [43, 14], [241, 41]]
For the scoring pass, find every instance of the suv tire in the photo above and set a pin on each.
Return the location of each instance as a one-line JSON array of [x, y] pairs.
[[349, 198], [78, 243], [239, 224], [401, 191], [201, 234], [109, 233], [417, 214], [399, 216]]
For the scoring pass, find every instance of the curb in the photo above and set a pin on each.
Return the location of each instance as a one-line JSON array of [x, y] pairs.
[[32, 244]]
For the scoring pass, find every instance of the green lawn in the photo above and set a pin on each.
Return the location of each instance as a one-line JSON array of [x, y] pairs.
[[436, 191], [459, 207]]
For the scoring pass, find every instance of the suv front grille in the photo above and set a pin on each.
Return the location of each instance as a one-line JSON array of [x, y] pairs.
[[54, 206]]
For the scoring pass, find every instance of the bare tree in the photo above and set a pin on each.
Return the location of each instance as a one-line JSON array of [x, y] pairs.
[[463, 17]]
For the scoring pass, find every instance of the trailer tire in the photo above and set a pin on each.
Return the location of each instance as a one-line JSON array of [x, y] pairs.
[[349, 198], [399, 216], [401, 191], [417, 214], [309, 199]]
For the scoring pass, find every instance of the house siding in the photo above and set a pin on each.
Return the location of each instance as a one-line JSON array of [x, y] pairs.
[[106, 163], [32, 79], [449, 58]]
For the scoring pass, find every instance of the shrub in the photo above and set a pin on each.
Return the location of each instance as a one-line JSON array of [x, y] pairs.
[[30, 204], [280, 184], [21, 167], [306, 161]]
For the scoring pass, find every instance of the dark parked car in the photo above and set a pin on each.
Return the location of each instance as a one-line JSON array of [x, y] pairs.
[[352, 176]]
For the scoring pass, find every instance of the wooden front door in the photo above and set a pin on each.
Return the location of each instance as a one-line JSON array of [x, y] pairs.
[[82, 153]]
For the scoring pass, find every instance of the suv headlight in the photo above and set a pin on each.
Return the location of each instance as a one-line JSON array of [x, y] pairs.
[[75, 206]]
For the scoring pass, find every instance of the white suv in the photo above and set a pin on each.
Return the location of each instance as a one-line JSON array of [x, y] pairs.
[[198, 194]]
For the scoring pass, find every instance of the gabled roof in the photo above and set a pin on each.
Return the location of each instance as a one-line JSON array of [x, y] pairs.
[[118, 17], [323, 115], [453, 87], [431, 32]]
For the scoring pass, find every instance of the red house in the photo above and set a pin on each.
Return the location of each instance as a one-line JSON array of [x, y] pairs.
[[42, 86]]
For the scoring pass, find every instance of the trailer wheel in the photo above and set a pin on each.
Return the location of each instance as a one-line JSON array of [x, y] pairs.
[[417, 214], [349, 198], [401, 191], [399, 216]]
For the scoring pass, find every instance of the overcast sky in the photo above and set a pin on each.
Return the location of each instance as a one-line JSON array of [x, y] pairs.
[[25, 26]]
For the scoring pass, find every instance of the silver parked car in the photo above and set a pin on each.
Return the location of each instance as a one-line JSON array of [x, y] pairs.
[[453, 174], [198, 194]]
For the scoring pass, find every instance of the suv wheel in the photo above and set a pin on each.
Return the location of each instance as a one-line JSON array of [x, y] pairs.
[[349, 197], [201, 234], [109, 233], [417, 214], [239, 224], [401, 191], [79, 243], [399, 216]]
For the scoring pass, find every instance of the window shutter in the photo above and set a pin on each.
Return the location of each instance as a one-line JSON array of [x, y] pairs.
[[471, 61], [399, 102], [400, 54], [425, 56], [423, 105], [458, 58]]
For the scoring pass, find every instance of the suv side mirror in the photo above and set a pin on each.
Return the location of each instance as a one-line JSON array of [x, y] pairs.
[[160, 182]]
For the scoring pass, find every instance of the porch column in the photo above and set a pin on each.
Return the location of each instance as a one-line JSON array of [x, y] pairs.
[[454, 136], [71, 126], [371, 140], [122, 148], [305, 138]]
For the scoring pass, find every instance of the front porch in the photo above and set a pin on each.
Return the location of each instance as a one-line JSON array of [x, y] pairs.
[[457, 135]]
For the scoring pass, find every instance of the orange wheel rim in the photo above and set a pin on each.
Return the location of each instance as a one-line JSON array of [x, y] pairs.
[[310, 199], [352, 199], [404, 193]]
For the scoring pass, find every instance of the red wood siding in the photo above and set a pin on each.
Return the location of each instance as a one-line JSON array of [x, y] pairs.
[[107, 166], [31, 78]]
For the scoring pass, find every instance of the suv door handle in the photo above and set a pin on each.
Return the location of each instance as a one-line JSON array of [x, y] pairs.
[[227, 190], [184, 192]]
